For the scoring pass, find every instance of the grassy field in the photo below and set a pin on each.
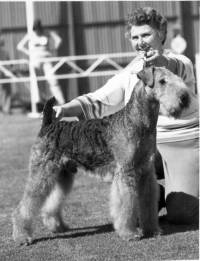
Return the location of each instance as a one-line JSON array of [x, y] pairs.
[[90, 237]]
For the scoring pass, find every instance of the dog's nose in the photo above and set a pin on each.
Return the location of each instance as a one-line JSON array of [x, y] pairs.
[[184, 100]]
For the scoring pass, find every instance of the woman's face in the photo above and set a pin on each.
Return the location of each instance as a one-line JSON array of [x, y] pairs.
[[141, 34]]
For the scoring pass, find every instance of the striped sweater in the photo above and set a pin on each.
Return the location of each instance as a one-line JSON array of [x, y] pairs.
[[114, 95]]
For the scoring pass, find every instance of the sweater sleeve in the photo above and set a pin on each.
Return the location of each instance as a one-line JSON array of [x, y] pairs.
[[182, 66], [106, 100]]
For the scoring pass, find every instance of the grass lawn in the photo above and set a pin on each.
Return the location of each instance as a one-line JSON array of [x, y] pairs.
[[90, 236]]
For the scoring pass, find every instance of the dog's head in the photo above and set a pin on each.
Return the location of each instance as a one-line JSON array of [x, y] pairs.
[[169, 89]]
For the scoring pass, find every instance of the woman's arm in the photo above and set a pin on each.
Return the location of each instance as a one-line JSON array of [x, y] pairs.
[[184, 69], [106, 100], [21, 45], [70, 109], [56, 39]]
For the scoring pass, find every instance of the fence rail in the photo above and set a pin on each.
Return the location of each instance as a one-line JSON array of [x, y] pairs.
[[13, 75], [71, 61]]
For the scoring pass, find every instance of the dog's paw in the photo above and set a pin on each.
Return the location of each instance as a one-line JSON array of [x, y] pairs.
[[61, 228], [129, 235], [23, 240], [55, 224], [150, 233]]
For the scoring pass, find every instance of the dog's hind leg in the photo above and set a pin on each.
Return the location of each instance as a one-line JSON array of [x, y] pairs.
[[123, 208], [148, 204], [51, 211], [40, 182]]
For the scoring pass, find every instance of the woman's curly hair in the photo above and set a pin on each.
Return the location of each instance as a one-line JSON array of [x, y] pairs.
[[149, 16]]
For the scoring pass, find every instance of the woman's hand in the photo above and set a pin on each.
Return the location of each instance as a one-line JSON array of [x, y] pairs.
[[59, 111], [69, 109], [156, 58]]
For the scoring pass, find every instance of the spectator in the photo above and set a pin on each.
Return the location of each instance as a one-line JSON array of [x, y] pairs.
[[43, 44], [6, 87], [178, 43]]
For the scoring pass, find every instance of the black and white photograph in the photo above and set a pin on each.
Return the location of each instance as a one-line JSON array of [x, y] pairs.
[[99, 130]]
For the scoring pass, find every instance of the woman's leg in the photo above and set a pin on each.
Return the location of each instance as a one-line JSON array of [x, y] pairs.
[[180, 160], [6, 98], [53, 83], [182, 208]]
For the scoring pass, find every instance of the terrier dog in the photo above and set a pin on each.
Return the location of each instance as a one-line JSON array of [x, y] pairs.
[[122, 144]]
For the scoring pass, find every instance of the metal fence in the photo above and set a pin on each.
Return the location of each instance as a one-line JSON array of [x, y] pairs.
[[111, 61]]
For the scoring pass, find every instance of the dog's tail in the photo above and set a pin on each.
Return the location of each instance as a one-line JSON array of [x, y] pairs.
[[48, 113]]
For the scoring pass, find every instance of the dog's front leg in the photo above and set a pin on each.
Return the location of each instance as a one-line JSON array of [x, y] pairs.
[[123, 206], [148, 203], [39, 185]]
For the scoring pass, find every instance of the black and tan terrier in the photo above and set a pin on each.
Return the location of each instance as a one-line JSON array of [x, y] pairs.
[[122, 145]]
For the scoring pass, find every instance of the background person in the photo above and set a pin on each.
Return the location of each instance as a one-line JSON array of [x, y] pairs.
[[178, 43], [43, 44], [6, 90], [177, 139]]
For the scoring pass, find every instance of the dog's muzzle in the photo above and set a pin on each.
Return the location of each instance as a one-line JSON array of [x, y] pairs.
[[184, 100]]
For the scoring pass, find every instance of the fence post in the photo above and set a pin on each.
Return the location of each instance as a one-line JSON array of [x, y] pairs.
[[32, 76]]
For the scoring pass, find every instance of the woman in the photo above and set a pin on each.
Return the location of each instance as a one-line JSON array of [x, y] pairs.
[[177, 140], [41, 47]]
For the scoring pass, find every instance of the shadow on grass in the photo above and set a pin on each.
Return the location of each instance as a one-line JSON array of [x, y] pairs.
[[78, 232], [166, 228]]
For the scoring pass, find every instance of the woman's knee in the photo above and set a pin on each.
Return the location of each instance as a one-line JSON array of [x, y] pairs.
[[182, 208]]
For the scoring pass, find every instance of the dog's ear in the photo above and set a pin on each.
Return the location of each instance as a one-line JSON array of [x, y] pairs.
[[147, 76]]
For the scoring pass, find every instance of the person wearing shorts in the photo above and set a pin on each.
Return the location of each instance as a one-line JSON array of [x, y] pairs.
[[43, 44]]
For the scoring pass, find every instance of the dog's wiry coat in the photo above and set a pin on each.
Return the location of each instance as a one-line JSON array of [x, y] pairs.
[[122, 145]]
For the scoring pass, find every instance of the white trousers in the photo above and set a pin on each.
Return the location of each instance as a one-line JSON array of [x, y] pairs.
[[181, 166]]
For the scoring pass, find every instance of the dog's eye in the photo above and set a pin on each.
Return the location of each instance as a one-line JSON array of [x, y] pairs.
[[162, 81]]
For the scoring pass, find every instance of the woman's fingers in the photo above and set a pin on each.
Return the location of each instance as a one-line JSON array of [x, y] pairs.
[[58, 110]]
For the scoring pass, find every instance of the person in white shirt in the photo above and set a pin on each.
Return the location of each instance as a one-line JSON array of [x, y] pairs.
[[177, 139], [42, 44], [5, 89]]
